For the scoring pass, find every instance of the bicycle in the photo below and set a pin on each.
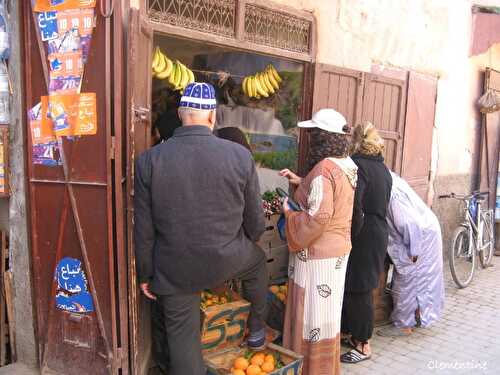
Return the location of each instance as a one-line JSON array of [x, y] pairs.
[[474, 237]]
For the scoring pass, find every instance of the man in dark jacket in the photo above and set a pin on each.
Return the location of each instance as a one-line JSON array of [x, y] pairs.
[[198, 213]]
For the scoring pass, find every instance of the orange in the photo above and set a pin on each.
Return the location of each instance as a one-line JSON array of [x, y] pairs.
[[253, 370], [237, 371], [281, 296], [274, 289], [258, 359], [269, 358], [241, 363], [268, 366]]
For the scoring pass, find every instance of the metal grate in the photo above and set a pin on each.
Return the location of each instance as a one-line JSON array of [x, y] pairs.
[[211, 16], [277, 29]]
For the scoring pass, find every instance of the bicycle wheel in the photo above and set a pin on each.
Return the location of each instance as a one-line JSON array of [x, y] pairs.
[[488, 236], [462, 259]]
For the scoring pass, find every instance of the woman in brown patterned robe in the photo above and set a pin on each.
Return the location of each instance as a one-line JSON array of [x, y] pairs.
[[319, 239]]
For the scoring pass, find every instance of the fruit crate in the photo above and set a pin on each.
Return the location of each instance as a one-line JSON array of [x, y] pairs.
[[276, 305], [271, 238], [224, 326], [221, 363]]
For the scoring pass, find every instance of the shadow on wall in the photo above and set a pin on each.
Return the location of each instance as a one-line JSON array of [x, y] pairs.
[[449, 211], [4, 214]]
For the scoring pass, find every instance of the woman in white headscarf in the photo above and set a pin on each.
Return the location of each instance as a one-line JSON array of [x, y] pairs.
[[415, 247]]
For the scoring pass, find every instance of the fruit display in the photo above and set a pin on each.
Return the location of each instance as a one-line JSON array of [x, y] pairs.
[[177, 74], [260, 363], [280, 291], [210, 298], [262, 84], [271, 203]]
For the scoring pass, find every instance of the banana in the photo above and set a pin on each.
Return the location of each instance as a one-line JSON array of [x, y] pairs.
[[191, 76], [244, 86], [184, 76], [156, 58], [165, 73], [251, 87], [260, 89], [272, 80], [171, 77], [274, 72], [162, 64], [177, 74], [265, 80]]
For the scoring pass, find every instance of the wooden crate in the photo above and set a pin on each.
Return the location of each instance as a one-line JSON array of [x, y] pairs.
[[271, 238], [220, 363], [224, 326]]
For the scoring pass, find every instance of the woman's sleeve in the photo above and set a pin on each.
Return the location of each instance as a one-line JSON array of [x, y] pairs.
[[358, 215], [305, 227]]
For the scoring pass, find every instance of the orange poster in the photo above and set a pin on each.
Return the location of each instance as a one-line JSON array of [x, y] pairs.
[[68, 64], [41, 126], [48, 5], [81, 19], [70, 115]]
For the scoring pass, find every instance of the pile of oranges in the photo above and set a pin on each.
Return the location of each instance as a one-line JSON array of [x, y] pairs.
[[280, 291], [259, 364], [210, 298]]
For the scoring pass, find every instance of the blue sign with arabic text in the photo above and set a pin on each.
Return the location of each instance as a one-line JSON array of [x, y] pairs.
[[47, 22], [72, 292]]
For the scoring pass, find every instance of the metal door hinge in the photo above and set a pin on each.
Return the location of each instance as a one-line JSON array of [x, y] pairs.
[[140, 112], [112, 152]]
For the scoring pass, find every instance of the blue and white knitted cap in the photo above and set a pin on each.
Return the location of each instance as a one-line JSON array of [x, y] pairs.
[[199, 95]]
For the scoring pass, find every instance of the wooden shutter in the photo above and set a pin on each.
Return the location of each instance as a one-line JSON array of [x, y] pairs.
[[384, 102], [140, 41], [417, 151], [490, 142], [338, 88]]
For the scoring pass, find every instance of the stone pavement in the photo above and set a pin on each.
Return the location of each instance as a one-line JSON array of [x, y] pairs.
[[465, 341]]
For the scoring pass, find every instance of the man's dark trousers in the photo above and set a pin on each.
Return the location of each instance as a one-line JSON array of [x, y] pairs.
[[182, 317]]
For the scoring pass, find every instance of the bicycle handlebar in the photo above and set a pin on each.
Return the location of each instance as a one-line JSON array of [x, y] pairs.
[[476, 194]]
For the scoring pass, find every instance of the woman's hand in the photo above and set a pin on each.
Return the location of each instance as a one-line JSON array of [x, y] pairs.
[[292, 177]]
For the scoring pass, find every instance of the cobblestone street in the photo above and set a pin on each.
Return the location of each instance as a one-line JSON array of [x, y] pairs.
[[465, 341]]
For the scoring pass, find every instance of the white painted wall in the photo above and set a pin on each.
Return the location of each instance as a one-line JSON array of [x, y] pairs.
[[429, 36]]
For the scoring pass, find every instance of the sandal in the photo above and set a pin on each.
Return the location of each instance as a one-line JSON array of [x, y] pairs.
[[354, 356]]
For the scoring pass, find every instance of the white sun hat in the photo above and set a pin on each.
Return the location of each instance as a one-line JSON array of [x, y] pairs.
[[327, 119]]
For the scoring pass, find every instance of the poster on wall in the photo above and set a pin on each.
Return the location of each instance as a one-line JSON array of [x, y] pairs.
[[72, 287], [51, 5], [47, 23], [45, 148]]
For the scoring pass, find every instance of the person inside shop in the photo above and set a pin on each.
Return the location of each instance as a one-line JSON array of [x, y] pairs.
[[319, 239], [235, 135], [165, 125], [198, 214], [415, 248], [369, 241]]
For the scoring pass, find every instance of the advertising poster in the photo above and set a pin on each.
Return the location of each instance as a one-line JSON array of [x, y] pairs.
[[47, 154], [69, 64], [48, 5], [41, 131], [76, 19], [72, 290], [70, 115]]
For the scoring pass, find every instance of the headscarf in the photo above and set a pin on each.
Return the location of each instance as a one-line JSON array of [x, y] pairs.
[[366, 140], [324, 145]]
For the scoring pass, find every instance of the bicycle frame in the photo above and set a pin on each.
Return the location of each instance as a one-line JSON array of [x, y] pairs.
[[475, 225]]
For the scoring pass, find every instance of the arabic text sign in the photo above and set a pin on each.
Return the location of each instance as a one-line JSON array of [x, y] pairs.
[[47, 5], [72, 291], [47, 22]]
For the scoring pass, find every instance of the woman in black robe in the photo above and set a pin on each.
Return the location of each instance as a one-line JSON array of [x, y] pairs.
[[369, 235]]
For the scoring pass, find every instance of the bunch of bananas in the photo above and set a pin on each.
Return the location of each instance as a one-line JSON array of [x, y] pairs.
[[262, 84], [178, 75]]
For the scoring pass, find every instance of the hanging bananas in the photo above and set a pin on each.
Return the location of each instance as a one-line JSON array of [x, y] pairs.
[[262, 84], [177, 74]]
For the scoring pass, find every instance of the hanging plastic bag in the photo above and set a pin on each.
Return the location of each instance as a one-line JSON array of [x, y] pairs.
[[489, 102]]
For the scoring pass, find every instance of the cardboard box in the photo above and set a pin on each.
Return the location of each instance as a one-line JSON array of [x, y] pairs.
[[221, 363], [277, 262], [224, 326], [271, 237]]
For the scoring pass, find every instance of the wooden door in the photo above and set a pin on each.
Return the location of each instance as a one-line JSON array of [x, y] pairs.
[[490, 142], [140, 40], [384, 105], [73, 225], [417, 149]]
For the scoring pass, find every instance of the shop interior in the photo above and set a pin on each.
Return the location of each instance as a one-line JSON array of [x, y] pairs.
[[266, 111]]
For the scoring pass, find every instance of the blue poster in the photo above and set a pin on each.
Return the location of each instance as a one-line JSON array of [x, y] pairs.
[[72, 291], [47, 22]]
